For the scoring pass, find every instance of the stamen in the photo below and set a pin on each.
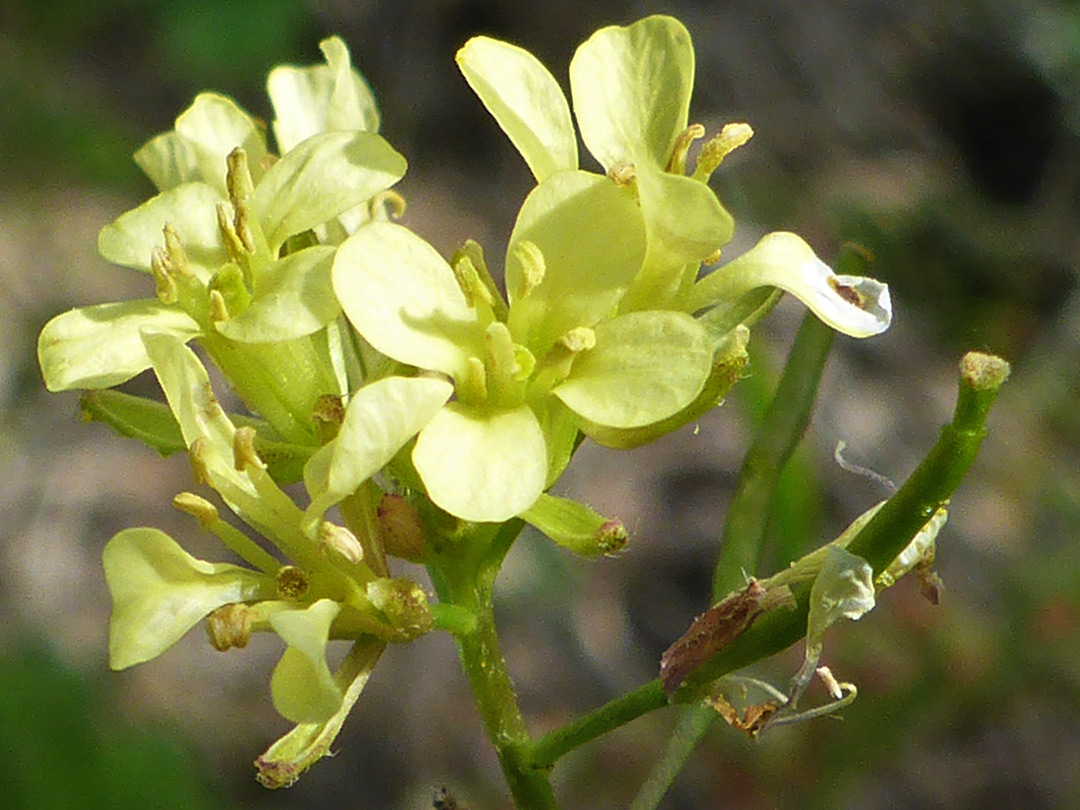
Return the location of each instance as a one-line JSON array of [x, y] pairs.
[[198, 507], [533, 266], [677, 163], [230, 626], [244, 453]]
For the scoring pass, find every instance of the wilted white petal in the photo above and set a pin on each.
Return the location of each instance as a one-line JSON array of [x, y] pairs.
[[854, 305]]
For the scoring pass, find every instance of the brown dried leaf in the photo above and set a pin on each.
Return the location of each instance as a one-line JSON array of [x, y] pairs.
[[715, 629], [753, 717]]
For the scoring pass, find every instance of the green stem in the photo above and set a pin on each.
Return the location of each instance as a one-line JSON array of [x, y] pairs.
[[689, 731], [747, 517], [894, 525], [779, 435], [549, 748], [932, 483], [468, 582]]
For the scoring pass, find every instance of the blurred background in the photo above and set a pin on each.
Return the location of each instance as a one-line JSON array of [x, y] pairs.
[[940, 136]]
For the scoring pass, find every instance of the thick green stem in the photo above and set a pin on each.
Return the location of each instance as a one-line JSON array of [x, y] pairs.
[[779, 435], [468, 582]]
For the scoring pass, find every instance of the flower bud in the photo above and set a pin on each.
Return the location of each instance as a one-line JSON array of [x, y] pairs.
[[576, 527], [292, 582], [401, 529], [404, 606], [340, 540]]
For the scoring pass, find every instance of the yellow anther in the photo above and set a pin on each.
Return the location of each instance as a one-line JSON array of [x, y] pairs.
[[677, 163], [198, 507], [244, 454], [533, 266]]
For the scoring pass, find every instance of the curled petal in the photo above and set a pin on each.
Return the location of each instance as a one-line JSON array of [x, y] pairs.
[[854, 305], [159, 592], [303, 687], [283, 762]]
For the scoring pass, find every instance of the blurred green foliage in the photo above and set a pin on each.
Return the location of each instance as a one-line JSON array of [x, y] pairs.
[[64, 746]]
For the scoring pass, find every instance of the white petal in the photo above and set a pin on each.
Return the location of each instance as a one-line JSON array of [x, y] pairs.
[[854, 305]]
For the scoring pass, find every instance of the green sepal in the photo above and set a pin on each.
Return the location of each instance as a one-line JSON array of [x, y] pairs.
[[152, 423], [560, 428], [575, 526], [159, 592]]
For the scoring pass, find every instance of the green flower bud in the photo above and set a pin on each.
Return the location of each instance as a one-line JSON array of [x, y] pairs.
[[404, 606], [576, 527]]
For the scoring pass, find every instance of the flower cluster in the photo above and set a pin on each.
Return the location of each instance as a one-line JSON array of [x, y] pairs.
[[403, 384]]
